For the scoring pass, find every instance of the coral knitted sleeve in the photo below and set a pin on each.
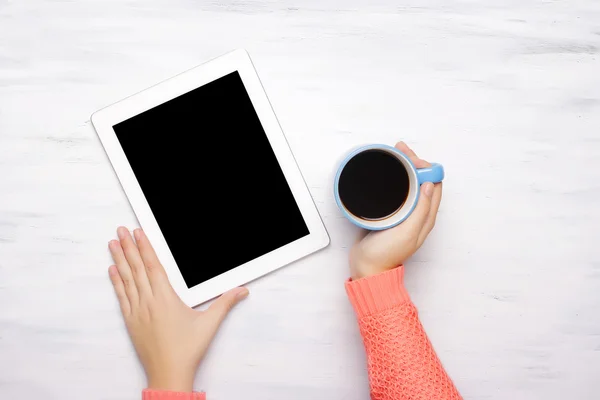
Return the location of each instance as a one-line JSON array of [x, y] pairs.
[[401, 361]]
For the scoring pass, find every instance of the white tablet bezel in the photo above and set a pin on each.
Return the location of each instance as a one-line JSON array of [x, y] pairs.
[[104, 120]]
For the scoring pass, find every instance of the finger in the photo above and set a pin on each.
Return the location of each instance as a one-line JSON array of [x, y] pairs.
[[403, 147], [124, 272], [117, 282], [156, 273], [419, 163], [221, 306], [416, 220], [436, 199], [135, 262]]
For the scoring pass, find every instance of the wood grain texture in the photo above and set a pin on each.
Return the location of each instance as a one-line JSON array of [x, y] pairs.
[[506, 94]]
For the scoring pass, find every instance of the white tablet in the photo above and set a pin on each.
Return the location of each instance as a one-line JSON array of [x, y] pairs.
[[211, 178]]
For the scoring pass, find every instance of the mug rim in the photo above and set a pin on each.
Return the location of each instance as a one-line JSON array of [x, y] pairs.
[[362, 223]]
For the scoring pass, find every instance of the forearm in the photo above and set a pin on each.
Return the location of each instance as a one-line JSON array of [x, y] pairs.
[[401, 360]]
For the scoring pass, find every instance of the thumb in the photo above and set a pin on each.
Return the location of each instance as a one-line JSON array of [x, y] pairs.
[[221, 306], [419, 215]]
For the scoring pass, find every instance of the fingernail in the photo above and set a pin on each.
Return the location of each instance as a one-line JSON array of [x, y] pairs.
[[112, 243], [122, 232], [242, 294], [428, 189], [137, 234]]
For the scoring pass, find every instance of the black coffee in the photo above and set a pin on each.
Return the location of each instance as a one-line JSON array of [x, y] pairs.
[[373, 185]]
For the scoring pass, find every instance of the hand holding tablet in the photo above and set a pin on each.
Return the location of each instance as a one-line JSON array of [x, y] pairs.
[[204, 164]]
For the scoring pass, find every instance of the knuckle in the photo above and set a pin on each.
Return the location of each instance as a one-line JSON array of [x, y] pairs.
[[150, 266], [127, 283], [416, 243], [138, 267]]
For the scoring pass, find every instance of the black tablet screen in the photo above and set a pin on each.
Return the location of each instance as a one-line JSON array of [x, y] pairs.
[[211, 179]]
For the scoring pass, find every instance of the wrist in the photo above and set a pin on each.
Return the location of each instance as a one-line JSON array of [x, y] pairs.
[[365, 270], [171, 382], [363, 264]]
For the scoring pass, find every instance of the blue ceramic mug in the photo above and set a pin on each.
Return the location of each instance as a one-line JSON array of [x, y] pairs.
[[416, 177]]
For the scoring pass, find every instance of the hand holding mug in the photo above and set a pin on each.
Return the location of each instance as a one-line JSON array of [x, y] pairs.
[[394, 238]]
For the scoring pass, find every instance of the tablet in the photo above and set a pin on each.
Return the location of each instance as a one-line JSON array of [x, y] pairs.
[[210, 177]]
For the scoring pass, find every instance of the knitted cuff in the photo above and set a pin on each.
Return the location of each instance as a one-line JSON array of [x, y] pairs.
[[149, 394], [377, 293]]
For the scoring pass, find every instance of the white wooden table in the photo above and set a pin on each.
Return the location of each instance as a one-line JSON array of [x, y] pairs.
[[506, 94]]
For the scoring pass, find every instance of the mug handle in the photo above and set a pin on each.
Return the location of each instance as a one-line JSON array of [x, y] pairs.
[[433, 174]]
